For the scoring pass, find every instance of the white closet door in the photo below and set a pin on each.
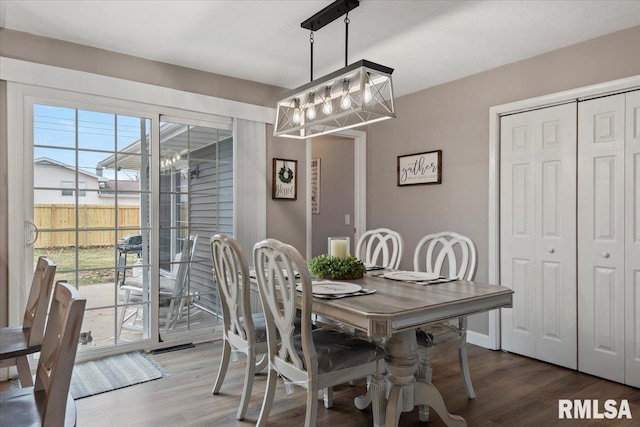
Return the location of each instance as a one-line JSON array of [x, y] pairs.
[[517, 231], [601, 305], [632, 247], [538, 261], [556, 141]]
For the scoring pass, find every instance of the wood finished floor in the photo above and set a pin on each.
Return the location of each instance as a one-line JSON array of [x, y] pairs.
[[511, 391]]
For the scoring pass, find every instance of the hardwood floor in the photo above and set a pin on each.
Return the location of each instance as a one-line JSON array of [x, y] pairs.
[[511, 391]]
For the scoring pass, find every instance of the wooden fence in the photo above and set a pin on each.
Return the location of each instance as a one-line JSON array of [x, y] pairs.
[[59, 217]]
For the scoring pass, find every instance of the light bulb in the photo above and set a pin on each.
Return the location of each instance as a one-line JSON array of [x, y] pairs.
[[345, 103], [296, 111], [327, 108], [311, 108], [367, 90], [367, 93]]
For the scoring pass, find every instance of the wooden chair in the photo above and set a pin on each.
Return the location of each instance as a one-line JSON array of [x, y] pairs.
[[315, 359], [381, 246], [49, 402], [243, 331], [16, 343], [454, 255]]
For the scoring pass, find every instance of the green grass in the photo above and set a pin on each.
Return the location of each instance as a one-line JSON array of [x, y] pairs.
[[99, 263]]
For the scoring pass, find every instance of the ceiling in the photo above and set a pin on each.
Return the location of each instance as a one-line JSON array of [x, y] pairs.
[[427, 42]]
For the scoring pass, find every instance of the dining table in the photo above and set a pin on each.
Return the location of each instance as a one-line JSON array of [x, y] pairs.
[[391, 312]]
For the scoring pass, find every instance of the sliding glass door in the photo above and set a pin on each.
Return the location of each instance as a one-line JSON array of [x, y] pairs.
[[196, 201], [91, 193], [124, 201]]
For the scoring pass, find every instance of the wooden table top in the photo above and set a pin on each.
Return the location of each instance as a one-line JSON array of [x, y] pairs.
[[397, 306]]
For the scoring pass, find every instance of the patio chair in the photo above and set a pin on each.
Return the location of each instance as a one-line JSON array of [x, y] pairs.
[[16, 343], [454, 255], [49, 402], [243, 332], [315, 359], [381, 247], [172, 289]]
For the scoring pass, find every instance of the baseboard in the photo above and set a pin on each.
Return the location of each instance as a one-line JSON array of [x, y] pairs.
[[481, 340]]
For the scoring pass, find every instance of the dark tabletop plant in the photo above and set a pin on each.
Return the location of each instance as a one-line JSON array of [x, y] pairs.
[[334, 268]]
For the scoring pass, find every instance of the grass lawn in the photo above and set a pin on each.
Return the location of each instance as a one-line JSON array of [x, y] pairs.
[[99, 263]]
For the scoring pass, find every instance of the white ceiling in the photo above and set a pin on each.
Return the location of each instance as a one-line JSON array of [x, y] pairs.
[[427, 42]]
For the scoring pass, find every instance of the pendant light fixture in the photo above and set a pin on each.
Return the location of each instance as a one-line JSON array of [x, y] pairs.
[[352, 96]]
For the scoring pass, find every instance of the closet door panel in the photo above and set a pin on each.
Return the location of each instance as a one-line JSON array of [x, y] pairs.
[[555, 141], [538, 261], [601, 256], [517, 231], [632, 244]]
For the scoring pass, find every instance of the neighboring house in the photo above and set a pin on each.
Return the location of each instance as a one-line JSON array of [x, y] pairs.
[[54, 183]]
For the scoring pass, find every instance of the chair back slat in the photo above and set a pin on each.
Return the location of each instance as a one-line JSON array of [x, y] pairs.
[[35, 314], [59, 346], [380, 246], [232, 278], [276, 264], [450, 249]]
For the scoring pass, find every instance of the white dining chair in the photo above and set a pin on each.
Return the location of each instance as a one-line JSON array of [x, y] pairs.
[[381, 246], [317, 358], [243, 332], [19, 341], [447, 254]]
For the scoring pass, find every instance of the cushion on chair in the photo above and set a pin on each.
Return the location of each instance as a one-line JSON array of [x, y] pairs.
[[336, 350], [167, 284], [260, 326], [134, 284]]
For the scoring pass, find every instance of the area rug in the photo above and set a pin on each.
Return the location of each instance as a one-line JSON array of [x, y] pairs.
[[114, 372]]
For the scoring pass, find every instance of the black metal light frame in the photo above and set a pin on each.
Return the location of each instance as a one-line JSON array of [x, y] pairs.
[[366, 85]]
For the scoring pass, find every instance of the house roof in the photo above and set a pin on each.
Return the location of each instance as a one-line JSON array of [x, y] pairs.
[[175, 138], [47, 161]]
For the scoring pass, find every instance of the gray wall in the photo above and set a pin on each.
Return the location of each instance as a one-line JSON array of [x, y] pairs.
[[336, 191], [454, 117], [286, 219], [28, 47]]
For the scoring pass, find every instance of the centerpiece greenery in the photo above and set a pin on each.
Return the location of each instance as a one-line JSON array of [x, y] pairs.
[[334, 268]]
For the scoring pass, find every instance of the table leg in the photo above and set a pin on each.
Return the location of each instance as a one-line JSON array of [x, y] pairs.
[[424, 373], [405, 392]]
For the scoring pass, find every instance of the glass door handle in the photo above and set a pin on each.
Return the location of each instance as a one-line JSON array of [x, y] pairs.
[[31, 232]]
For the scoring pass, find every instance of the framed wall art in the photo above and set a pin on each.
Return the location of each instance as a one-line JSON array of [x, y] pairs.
[[315, 186], [420, 168], [285, 179]]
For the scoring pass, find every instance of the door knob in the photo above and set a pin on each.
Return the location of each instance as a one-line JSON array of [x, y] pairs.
[[551, 250], [605, 254]]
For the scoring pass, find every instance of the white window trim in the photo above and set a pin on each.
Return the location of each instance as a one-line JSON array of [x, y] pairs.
[[30, 73], [66, 186]]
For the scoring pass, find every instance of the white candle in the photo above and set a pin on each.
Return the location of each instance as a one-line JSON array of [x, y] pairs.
[[339, 248]]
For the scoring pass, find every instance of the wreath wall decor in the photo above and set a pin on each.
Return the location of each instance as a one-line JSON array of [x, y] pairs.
[[285, 179]]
